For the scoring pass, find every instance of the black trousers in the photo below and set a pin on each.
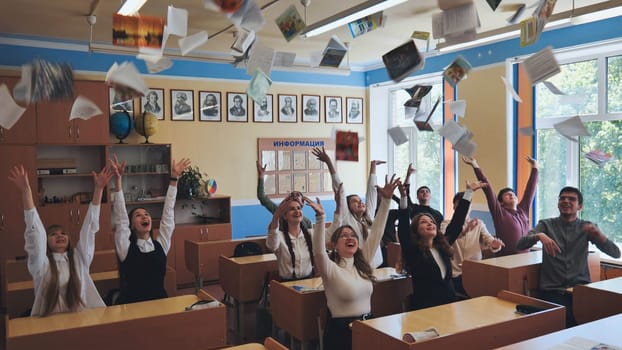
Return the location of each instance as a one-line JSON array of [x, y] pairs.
[[562, 298], [337, 333]]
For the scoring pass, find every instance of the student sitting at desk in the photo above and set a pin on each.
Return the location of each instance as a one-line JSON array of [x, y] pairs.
[[60, 273], [270, 205], [469, 244], [142, 259], [347, 278], [565, 243], [426, 252], [359, 214], [292, 245]]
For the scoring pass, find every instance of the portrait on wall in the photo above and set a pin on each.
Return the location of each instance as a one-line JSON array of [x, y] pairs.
[[262, 110], [354, 108], [119, 103], [237, 104], [332, 107], [287, 108], [153, 102], [311, 108], [182, 102], [210, 106]]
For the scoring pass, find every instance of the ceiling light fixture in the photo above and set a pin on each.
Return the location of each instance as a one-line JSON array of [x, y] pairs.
[[131, 7], [344, 17]]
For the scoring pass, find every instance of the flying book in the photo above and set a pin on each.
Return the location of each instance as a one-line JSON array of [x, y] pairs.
[[459, 136], [541, 65], [290, 23], [457, 70], [243, 40], [366, 24], [334, 53], [403, 60], [598, 157], [425, 125]]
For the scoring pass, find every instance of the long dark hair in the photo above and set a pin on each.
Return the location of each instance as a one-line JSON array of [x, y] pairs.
[[132, 231], [439, 242], [288, 241], [51, 287], [365, 220], [361, 264]]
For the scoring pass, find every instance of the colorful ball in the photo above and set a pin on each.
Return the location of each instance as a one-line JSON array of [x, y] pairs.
[[146, 125], [121, 124], [210, 186]]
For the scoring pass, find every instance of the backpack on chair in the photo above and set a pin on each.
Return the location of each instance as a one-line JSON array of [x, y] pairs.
[[247, 249]]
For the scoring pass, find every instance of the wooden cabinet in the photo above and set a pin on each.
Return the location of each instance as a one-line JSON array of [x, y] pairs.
[[25, 129], [11, 210], [54, 126]]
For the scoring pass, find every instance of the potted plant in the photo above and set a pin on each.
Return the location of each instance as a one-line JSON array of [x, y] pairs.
[[189, 183]]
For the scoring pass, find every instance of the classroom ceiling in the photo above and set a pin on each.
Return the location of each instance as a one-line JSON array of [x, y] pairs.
[[67, 20]]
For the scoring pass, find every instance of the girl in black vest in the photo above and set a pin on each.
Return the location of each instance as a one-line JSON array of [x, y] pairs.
[[292, 244], [142, 257]]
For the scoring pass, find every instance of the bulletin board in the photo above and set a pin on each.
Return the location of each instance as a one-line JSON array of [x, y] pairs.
[[290, 166]]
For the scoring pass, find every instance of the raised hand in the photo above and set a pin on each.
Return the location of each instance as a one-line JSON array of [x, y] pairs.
[[316, 206], [476, 185], [373, 165], [550, 247], [402, 188], [389, 186], [117, 167], [532, 161], [178, 167], [470, 161], [261, 170], [321, 154], [102, 178], [594, 232], [19, 177]]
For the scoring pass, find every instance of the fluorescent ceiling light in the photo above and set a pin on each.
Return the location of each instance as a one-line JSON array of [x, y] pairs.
[[130, 7], [344, 17]]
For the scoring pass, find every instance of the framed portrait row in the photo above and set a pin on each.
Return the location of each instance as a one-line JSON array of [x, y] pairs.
[[236, 107]]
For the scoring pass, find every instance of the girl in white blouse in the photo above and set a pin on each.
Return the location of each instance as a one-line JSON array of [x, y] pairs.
[[60, 272], [348, 277]]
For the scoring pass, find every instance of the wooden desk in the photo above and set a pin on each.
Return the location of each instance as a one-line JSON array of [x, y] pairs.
[[243, 279], [519, 273], [202, 256], [606, 330], [249, 346], [597, 300], [478, 323], [297, 312], [156, 324]]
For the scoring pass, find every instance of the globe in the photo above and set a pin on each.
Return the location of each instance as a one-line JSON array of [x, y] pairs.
[[121, 124], [146, 125]]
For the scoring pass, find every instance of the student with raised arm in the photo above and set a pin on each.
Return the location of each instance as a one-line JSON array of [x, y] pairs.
[[426, 252], [270, 205], [358, 214], [510, 217], [142, 257], [348, 276], [292, 244], [60, 272]]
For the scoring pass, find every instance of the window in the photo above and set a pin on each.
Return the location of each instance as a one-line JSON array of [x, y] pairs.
[[591, 81], [423, 148]]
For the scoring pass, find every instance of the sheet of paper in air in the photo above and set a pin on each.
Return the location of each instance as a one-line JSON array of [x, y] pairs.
[[125, 76], [193, 41], [243, 40], [261, 57], [454, 21], [284, 59], [290, 23], [10, 112], [83, 108], [315, 57], [598, 157], [552, 88], [509, 88], [333, 53], [22, 91], [579, 343], [572, 127], [526, 131], [160, 65], [541, 65], [459, 136], [249, 16], [413, 337], [403, 60], [177, 21], [576, 99], [398, 135], [259, 85], [457, 107]]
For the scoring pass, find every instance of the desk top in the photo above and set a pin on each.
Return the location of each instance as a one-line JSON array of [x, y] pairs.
[[381, 274], [254, 259], [449, 318], [97, 316], [249, 346], [96, 276], [516, 260], [613, 285], [606, 330]]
